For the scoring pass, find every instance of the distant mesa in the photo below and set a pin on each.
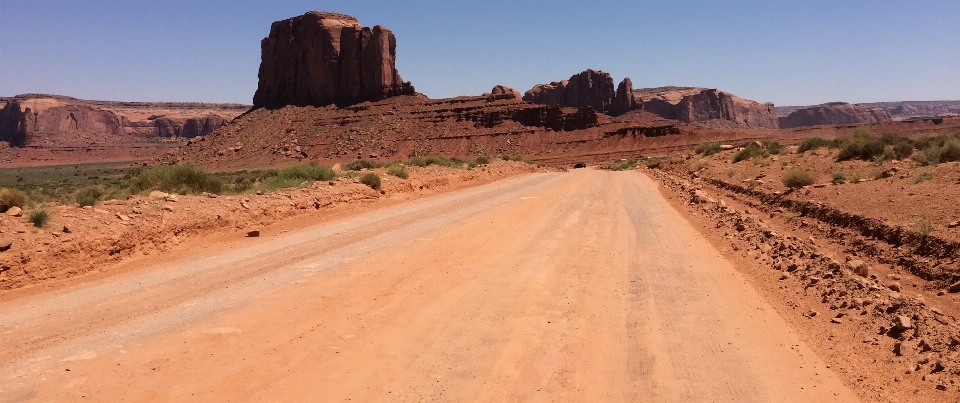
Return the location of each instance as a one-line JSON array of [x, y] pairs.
[[323, 58], [835, 113], [593, 88], [707, 106]]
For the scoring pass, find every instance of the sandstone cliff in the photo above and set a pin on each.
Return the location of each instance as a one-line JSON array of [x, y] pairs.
[[834, 113], [707, 106], [322, 58], [591, 88]]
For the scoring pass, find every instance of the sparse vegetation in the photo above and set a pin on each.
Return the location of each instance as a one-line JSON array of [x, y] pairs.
[[39, 218], [181, 179], [622, 165], [708, 148], [757, 149], [11, 198], [359, 165], [796, 178], [89, 195], [814, 143], [938, 149], [924, 225], [371, 179], [482, 160], [838, 177], [399, 170], [507, 157], [923, 176]]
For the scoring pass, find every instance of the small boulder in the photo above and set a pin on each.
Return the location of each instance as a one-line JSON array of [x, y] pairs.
[[253, 234], [954, 288], [954, 224], [903, 322], [894, 286], [14, 211], [5, 245], [859, 267]]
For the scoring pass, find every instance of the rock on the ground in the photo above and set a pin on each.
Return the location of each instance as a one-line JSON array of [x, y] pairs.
[[14, 211], [5, 244], [253, 234], [322, 58], [903, 322]]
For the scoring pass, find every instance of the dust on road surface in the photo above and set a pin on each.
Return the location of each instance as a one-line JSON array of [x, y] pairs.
[[581, 286]]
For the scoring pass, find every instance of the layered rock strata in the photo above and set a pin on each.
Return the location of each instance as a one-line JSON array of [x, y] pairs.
[[708, 106], [835, 113], [323, 58]]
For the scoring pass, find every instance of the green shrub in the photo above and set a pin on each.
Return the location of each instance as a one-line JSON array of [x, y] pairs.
[[923, 176], [708, 148], [507, 157], [398, 170], [39, 218], [902, 150], [89, 195], [310, 172], [749, 150], [839, 177], [359, 165], [418, 161], [814, 143], [861, 145], [180, 179], [796, 177], [371, 179], [482, 160], [10, 198]]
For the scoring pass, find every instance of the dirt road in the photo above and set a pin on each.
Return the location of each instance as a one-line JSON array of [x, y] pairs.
[[580, 286]]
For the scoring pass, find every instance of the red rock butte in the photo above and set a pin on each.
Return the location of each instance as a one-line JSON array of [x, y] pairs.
[[323, 58]]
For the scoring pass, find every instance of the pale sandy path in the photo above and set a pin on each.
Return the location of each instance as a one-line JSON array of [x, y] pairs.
[[585, 286]]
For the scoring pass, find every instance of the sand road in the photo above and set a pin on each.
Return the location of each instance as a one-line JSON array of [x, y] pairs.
[[584, 286]]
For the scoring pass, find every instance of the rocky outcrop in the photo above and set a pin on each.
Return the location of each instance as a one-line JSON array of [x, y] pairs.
[[188, 128], [707, 106], [624, 101], [591, 88], [24, 119], [834, 113], [322, 58], [506, 92]]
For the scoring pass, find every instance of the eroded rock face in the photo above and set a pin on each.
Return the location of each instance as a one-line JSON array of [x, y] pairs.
[[592, 88], [703, 105], [834, 113], [24, 119], [506, 92], [624, 100], [322, 58], [188, 128]]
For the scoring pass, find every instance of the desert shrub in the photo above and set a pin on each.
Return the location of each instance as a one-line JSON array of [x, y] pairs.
[[359, 165], [39, 218], [861, 145], [838, 177], [951, 150], [398, 170], [814, 143], [902, 150], [310, 172], [180, 179], [923, 176], [748, 151], [444, 162], [623, 165], [507, 157], [481, 160], [371, 179], [796, 177], [708, 148], [773, 147], [418, 161], [924, 225], [89, 195], [10, 198]]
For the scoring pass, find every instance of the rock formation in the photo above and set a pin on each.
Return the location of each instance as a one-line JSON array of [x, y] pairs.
[[189, 127], [834, 113], [591, 88], [322, 58], [624, 101], [22, 119], [506, 92], [702, 105]]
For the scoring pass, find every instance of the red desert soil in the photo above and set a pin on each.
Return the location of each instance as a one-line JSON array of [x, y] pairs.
[[585, 285]]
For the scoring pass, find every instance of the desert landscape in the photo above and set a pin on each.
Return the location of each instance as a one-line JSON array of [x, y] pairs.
[[345, 237]]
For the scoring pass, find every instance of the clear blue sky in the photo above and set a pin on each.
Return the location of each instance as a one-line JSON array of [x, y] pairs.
[[781, 51]]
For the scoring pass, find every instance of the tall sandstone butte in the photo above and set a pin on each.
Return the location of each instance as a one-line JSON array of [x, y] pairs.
[[592, 88], [323, 58]]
